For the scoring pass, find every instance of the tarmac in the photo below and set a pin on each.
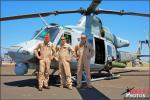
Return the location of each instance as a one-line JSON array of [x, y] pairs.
[[25, 87]]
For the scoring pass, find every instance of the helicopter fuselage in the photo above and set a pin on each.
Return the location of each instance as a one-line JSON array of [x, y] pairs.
[[105, 47]]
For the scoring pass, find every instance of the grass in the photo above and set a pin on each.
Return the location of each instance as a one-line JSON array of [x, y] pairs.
[[129, 64], [145, 64]]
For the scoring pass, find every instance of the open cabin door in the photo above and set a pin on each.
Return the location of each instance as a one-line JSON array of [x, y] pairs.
[[99, 51]]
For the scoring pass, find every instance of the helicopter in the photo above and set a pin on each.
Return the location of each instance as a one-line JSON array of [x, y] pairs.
[[105, 43], [138, 61]]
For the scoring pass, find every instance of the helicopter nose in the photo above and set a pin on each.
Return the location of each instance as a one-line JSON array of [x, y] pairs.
[[13, 52], [18, 54]]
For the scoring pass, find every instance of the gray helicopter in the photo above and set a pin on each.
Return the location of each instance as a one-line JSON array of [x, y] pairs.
[[103, 41]]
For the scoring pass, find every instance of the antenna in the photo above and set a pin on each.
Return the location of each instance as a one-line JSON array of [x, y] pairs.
[[43, 20]]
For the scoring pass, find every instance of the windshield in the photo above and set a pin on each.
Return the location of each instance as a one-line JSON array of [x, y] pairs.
[[53, 31]]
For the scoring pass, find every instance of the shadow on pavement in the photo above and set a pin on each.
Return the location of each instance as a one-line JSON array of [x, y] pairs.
[[92, 94], [54, 81], [23, 83]]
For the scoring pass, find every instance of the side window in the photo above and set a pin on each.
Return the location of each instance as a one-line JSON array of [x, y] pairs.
[[109, 50], [68, 37]]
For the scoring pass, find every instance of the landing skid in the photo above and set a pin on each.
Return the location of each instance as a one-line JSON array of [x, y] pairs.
[[112, 76], [94, 77], [100, 77]]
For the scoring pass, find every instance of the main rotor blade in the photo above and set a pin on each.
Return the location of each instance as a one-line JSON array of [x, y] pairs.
[[40, 14], [122, 12], [93, 6], [23, 16]]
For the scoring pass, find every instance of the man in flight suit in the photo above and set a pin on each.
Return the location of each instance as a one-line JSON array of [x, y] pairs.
[[84, 52], [46, 50], [64, 51]]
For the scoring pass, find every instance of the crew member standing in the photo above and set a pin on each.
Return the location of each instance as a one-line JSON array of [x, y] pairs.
[[46, 50], [84, 52], [64, 52]]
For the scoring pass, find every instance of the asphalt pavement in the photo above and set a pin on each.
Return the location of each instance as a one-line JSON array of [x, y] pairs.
[[25, 87]]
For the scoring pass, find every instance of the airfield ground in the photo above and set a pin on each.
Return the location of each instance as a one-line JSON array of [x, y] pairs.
[[23, 87]]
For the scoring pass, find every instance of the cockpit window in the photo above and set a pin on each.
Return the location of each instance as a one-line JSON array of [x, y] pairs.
[[53, 31]]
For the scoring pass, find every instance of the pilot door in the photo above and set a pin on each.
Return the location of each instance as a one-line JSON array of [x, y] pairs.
[[99, 51]]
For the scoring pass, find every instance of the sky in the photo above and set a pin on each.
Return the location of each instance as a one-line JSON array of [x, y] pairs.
[[132, 28]]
